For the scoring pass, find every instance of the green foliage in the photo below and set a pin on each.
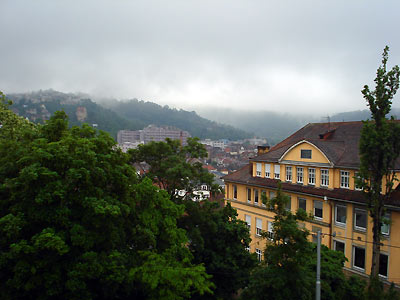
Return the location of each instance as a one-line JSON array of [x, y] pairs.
[[174, 167], [152, 113], [76, 223], [289, 267], [131, 115], [219, 240], [379, 149]]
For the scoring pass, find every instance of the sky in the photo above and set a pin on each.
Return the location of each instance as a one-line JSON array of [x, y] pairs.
[[285, 56]]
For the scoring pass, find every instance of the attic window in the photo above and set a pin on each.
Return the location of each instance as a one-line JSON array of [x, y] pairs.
[[305, 153]]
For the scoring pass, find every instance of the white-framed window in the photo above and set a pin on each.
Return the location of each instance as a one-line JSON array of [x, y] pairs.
[[247, 248], [270, 230], [304, 153], [360, 219], [385, 228], [258, 227], [289, 173], [324, 177], [318, 209], [300, 173], [339, 246], [344, 179], [264, 196], [267, 171], [311, 176], [302, 203], [248, 195], [289, 203], [248, 221], [271, 196], [234, 191], [258, 169], [358, 258], [255, 196], [356, 186], [277, 171], [383, 265], [259, 254], [340, 214]]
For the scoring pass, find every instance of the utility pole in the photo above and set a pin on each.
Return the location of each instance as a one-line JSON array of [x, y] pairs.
[[318, 283]]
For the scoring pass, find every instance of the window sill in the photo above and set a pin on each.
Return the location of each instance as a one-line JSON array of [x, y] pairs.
[[341, 225], [361, 270]]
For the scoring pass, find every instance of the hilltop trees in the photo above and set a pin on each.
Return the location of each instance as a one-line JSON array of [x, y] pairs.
[[379, 150], [76, 223]]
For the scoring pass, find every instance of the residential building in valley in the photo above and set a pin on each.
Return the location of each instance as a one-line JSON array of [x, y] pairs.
[[317, 166]]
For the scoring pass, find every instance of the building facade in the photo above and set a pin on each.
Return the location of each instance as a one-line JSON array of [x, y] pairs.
[[152, 133], [317, 167]]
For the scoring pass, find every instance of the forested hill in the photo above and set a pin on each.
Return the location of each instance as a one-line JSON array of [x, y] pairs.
[[132, 115], [152, 113]]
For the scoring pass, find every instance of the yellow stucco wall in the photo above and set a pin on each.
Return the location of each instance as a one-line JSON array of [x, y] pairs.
[[295, 154], [327, 225]]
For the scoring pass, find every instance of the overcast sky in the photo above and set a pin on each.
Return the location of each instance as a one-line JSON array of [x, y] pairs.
[[291, 56]]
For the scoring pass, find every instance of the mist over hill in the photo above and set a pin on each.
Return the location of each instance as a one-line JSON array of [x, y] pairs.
[[272, 125], [132, 115]]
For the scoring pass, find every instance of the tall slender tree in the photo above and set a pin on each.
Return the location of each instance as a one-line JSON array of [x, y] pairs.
[[379, 150]]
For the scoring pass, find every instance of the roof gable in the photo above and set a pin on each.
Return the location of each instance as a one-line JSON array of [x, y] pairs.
[[294, 154]]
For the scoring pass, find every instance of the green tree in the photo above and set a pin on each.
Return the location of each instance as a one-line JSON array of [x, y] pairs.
[[288, 269], [76, 223], [379, 150], [173, 166], [219, 240]]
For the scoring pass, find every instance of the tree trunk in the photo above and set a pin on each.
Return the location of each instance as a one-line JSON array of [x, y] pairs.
[[376, 237]]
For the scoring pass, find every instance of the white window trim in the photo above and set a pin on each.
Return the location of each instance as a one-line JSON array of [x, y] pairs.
[[248, 221], [258, 169], [267, 171], [315, 217], [277, 171], [323, 176], [336, 221], [256, 191], [353, 259], [387, 216], [342, 179], [387, 267], [259, 254], [309, 177], [355, 220], [258, 227], [302, 174], [289, 174], [339, 241]]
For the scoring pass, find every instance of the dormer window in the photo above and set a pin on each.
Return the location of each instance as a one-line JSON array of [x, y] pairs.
[[258, 169], [305, 154]]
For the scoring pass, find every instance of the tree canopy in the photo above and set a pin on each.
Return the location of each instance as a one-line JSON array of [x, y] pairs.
[[379, 150], [76, 223], [174, 167]]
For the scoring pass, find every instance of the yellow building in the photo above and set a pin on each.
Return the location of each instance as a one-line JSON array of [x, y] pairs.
[[317, 166]]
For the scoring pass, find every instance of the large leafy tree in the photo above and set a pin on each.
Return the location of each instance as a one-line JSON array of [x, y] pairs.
[[379, 150], [173, 166], [288, 269], [76, 223], [219, 240]]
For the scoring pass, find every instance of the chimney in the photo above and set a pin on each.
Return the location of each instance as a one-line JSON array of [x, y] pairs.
[[262, 149]]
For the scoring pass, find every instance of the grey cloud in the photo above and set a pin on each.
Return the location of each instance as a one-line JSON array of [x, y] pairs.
[[287, 55]]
